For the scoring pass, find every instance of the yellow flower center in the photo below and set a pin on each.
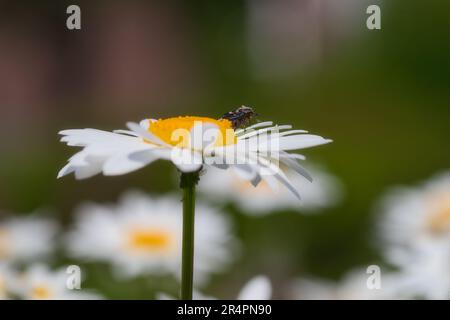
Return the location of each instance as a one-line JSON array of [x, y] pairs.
[[439, 220], [41, 292], [176, 131], [149, 240]]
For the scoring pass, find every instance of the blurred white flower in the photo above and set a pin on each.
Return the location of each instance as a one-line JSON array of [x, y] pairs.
[[190, 143], [416, 216], [353, 286], [143, 235], [325, 190], [26, 238], [38, 282], [258, 288], [7, 278], [415, 234], [424, 272]]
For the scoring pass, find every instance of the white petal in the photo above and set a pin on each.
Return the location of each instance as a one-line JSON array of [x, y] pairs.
[[186, 160], [94, 167], [125, 163], [100, 147], [296, 167], [146, 134], [256, 125], [278, 174], [145, 123], [301, 141], [127, 132], [286, 133], [281, 177], [292, 156], [67, 169], [264, 131], [258, 288]]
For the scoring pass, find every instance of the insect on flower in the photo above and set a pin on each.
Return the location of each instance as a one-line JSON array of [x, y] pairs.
[[240, 117]]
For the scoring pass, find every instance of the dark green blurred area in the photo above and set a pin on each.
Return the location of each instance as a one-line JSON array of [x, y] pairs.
[[383, 97]]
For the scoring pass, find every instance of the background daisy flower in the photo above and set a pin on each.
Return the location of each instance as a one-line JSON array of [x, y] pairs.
[[191, 142], [323, 191], [418, 215], [7, 277], [352, 286], [39, 282], [26, 238], [415, 236], [423, 272], [142, 235]]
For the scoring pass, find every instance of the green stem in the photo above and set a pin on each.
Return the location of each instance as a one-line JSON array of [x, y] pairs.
[[188, 182]]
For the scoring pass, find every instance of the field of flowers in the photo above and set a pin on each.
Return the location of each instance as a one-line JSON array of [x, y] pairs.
[[352, 202]]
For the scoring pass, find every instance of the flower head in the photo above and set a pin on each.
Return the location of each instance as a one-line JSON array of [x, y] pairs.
[[417, 215], [353, 286], [415, 233], [191, 143], [143, 235], [25, 239], [38, 282], [7, 278]]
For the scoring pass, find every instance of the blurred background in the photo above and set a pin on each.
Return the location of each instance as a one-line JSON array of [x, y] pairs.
[[382, 95]]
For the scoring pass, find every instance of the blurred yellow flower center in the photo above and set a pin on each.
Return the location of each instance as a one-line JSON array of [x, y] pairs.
[[244, 186], [41, 292], [149, 240], [176, 131], [439, 220]]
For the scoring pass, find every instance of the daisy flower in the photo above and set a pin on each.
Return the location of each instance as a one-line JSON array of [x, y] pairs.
[[415, 236], [7, 277], [142, 235], [324, 191], [25, 239], [416, 216], [353, 286], [257, 288], [190, 143], [38, 282], [424, 272]]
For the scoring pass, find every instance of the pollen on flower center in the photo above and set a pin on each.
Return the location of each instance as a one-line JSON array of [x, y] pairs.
[[439, 220], [171, 130], [149, 240], [41, 292]]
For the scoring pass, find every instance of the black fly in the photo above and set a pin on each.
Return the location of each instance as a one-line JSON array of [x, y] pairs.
[[240, 117]]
